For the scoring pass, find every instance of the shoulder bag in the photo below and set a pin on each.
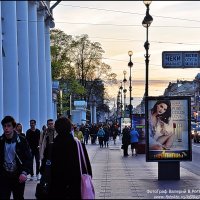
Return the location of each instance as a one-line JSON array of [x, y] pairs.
[[87, 188]]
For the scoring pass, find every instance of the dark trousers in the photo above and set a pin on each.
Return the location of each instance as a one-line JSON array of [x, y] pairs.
[[105, 142], [86, 137], [10, 183], [125, 149], [101, 141], [36, 155]]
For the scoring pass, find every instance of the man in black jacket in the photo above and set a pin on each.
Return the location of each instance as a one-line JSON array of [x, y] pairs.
[[15, 160], [33, 138]]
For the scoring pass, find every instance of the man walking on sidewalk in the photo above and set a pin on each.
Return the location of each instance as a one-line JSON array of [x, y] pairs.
[[33, 138], [15, 160]]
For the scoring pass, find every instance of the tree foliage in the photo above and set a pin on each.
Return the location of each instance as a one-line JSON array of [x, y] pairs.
[[77, 64]]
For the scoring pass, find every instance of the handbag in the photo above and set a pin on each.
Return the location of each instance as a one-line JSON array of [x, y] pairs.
[[42, 191], [87, 188], [42, 188]]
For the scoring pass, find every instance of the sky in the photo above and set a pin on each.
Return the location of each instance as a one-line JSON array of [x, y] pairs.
[[117, 26]]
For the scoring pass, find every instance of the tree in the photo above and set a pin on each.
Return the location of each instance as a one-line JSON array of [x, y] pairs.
[[60, 55], [77, 64]]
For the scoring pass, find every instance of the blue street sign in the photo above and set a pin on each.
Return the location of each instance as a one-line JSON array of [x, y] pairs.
[[181, 59]]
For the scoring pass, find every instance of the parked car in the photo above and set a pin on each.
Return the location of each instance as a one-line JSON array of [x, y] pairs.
[[197, 135], [193, 127]]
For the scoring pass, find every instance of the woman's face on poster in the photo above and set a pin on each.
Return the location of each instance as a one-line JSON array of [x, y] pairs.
[[161, 108]]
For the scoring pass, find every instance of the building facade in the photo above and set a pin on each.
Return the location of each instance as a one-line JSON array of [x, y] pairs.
[[25, 61]]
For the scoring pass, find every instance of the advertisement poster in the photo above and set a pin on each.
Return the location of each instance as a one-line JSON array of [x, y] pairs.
[[125, 122], [168, 129], [138, 122]]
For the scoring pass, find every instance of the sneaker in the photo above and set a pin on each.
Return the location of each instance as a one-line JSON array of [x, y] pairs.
[[32, 178], [28, 177], [38, 177]]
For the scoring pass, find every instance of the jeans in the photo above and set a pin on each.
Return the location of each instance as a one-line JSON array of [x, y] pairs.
[[10, 183], [36, 155]]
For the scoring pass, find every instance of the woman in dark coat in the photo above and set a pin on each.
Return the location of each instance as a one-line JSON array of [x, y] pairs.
[[65, 171], [126, 140]]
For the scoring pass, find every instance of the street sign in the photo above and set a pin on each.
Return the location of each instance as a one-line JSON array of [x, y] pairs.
[[181, 59]]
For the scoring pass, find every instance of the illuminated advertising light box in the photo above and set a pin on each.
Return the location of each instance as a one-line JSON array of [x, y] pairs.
[[125, 122], [168, 128], [138, 122]]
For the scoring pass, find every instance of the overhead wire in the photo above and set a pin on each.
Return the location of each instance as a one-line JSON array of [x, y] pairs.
[[127, 12]]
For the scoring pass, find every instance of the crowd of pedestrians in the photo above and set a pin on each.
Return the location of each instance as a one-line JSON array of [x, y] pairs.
[[100, 133], [54, 144]]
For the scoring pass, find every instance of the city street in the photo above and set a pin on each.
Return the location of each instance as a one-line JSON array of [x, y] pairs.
[[194, 165], [118, 177]]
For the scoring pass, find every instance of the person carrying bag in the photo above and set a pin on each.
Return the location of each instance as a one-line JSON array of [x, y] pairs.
[[42, 188], [87, 188]]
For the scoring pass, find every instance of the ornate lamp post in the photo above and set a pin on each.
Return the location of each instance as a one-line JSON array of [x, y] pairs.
[[124, 91], [121, 105], [118, 103], [130, 64], [148, 19]]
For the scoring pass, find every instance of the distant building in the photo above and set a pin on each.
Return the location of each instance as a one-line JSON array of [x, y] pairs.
[[181, 88]]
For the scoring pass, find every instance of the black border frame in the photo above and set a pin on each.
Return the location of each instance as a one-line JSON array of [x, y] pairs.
[[188, 98]]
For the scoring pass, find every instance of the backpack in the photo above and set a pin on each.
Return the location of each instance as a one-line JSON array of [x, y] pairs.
[[101, 133]]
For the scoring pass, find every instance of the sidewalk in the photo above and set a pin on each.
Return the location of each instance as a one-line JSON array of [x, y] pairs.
[[118, 177]]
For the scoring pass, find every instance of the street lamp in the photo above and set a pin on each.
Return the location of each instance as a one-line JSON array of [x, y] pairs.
[[121, 88], [124, 90], [118, 103], [148, 19], [130, 64]]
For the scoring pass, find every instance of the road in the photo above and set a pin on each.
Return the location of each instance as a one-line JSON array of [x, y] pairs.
[[193, 165]]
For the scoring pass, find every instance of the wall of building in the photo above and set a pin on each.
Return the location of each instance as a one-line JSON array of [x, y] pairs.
[[25, 66]]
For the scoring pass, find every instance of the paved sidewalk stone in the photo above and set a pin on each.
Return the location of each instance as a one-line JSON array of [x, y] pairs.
[[118, 177]]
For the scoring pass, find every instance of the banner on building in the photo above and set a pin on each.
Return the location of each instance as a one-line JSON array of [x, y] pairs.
[[168, 128]]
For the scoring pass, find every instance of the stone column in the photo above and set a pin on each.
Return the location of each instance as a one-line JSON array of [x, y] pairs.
[[48, 68], [23, 61], [42, 68], [10, 59], [91, 113], [33, 61], [94, 113]]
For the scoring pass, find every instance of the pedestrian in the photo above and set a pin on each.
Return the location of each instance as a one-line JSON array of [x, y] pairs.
[[115, 133], [65, 169], [19, 128], [100, 135], [125, 140], [48, 137], [86, 133], [33, 138], [78, 134], [15, 161], [134, 140], [93, 134], [106, 136]]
